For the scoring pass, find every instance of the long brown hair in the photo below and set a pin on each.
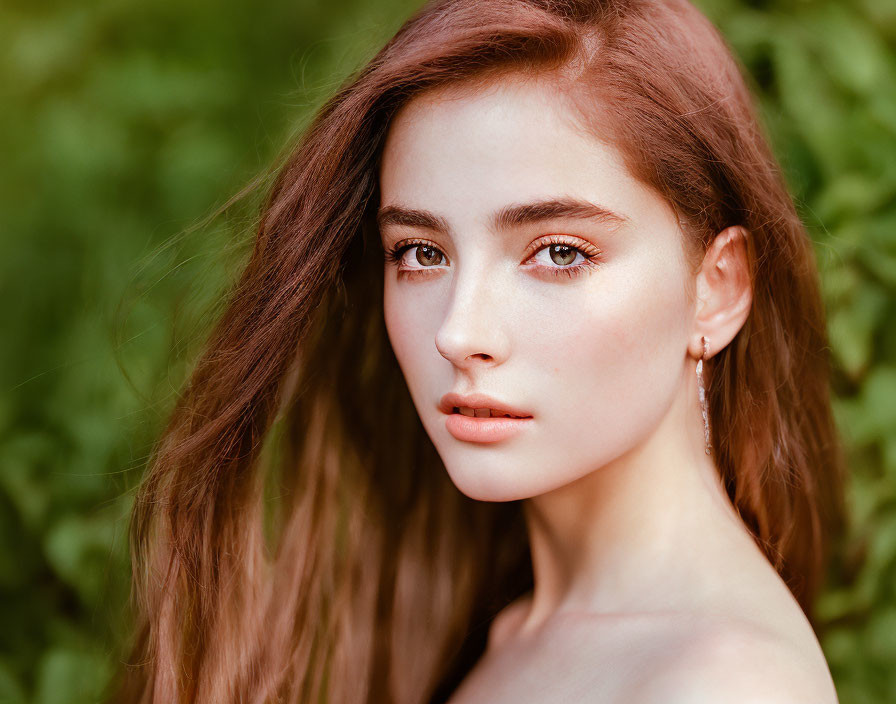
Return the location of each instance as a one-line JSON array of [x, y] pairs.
[[296, 537]]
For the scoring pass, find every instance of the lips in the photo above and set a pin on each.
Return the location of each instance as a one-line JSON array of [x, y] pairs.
[[451, 401]]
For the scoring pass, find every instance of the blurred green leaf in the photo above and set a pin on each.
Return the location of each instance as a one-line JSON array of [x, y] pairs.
[[67, 676], [11, 691]]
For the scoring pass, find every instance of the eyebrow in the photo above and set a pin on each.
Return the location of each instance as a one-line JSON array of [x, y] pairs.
[[510, 216]]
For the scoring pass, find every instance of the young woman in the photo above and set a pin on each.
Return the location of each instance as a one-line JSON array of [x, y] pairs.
[[522, 396]]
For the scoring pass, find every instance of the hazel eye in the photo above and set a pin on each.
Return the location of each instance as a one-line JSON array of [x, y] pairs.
[[427, 255], [559, 254]]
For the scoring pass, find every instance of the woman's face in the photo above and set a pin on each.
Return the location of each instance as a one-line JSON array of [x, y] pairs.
[[508, 284]]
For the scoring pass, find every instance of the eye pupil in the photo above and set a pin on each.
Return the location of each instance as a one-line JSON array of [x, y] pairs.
[[427, 255], [567, 254]]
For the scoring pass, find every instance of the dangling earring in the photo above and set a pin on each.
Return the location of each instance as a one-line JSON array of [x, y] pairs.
[[701, 391]]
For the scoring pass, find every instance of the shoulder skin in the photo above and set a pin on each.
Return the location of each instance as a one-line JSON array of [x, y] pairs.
[[738, 665]]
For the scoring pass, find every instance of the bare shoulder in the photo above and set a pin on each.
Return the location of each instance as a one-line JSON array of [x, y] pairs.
[[739, 664], [508, 620]]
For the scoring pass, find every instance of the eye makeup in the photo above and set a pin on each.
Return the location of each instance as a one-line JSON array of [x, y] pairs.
[[590, 256]]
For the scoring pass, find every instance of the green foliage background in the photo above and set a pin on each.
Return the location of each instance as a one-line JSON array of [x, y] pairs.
[[124, 125]]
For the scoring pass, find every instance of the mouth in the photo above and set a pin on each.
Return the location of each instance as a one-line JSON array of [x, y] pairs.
[[481, 423], [478, 405], [483, 412]]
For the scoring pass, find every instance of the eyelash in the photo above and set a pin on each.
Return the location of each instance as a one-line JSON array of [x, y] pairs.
[[395, 254]]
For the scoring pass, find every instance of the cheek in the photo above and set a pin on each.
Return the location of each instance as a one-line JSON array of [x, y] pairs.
[[614, 357], [411, 326], [398, 325]]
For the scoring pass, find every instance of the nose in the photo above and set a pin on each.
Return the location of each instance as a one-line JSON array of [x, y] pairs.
[[473, 331]]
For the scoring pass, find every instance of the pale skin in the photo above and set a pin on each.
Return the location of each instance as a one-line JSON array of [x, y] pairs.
[[648, 588]]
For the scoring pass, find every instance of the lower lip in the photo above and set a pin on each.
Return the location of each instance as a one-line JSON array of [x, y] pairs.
[[472, 429]]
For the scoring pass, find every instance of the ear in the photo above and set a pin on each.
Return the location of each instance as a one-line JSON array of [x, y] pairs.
[[724, 292]]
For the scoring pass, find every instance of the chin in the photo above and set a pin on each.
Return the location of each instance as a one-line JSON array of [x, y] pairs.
[[485, 486]]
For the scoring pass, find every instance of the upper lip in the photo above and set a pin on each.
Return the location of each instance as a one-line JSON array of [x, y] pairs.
[[451, 401]]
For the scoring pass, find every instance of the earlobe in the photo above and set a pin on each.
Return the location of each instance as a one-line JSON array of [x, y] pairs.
[[724, 291]]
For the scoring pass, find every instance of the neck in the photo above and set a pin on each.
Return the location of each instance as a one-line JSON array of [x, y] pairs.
[[646, 532]]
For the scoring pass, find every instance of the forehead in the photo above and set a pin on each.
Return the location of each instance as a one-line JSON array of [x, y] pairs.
[[473, 148]]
